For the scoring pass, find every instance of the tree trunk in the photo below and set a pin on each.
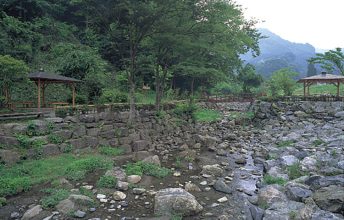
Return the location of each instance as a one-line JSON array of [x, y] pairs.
[[192, 86], [157, 89], [131, 79]]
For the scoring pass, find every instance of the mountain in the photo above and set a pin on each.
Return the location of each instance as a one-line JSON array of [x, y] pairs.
[[277, 53]]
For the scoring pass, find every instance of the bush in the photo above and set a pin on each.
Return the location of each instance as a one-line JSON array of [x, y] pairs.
[[110, 151], [113, 96], [226, 88], [107, 182], [149, 169], [294, 171], [185, 109], [54, 197], [206, 115], [274, 180], [54, 139]]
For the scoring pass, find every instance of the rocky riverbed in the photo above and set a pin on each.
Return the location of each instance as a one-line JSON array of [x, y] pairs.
[[287, 163]]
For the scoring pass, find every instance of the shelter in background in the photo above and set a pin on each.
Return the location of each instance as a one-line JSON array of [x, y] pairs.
[[43, 79], [321, 78]]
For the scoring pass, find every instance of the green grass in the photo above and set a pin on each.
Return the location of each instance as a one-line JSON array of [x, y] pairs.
[[107, 182], [206, 115], [21, 177], [140, 168], [274, 180], [54, 139], [110, 151], [287, 143], [294, 171], [54, 197], [320, 90]]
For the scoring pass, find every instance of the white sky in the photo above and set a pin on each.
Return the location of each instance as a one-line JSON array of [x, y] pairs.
[[318, 22]]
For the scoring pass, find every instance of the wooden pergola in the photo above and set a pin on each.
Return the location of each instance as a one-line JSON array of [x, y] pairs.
[[43, 79], [321, 78]]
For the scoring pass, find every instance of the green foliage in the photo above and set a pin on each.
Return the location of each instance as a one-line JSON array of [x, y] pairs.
[[185, 109], [206, 115], [249, 78], [227, 88], [68, 148], [24, 141], [287, 143], [318, 142], [107, 182], [31, 129], [110, 151], [268, 179], [3, 201], [78, 169], [54, 139], [282, 80], [294, 171], [330, 60], [140, 168], [54, 197], [113, 96]]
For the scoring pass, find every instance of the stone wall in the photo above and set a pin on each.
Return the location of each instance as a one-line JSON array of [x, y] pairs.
[[85, 131], [294, 110]]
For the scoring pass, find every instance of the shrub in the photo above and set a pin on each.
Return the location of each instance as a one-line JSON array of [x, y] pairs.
[[274, 180], [54, 139], [78, 169], [185, 109], [206, 115], [2, 201], [149, 169], [24, 141], [113, 96], [107, 182], [110, 151], [294, 171], [54, 197]]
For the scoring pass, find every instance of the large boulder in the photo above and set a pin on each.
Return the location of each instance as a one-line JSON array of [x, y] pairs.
[[176, 200], [270, 194], [75, 202], [298, 192], [330, 198], [214, 170], [32, 213], [9, 157]]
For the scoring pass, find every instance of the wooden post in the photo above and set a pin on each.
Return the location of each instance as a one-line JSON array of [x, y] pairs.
[[43, 94], [39, 95], [73, 94], [304, 88], [338, 84], [308, 89]]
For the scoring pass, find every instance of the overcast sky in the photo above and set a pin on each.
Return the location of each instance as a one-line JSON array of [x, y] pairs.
[[318, 22]]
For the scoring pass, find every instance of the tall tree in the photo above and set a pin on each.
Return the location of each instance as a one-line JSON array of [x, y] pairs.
[[311, 70], [330, 60], [249, 78]]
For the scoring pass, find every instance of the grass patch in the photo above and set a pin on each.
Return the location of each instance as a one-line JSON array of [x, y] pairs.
[[110, 151], [3, 201], [206, 115], [107, 182], [150, 169], [54, 197], [287, 143], [54, 139], [318, 142], [294, 171], [268, 179], [78, 169], [21, 177]]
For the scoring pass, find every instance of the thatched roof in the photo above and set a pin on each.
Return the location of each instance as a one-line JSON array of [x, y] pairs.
[[51, 77], [324, 77]]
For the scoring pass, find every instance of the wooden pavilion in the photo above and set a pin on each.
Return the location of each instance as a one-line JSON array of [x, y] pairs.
[[43, 79], [321, 78]]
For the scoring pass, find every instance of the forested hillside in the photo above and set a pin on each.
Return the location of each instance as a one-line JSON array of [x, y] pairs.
[[118, 46], [277, 53]]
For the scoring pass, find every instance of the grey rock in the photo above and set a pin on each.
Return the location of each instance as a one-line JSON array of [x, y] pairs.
[[176, 200], [297, 193], [117, 172], [153, 159], [140, 145], [15, 215], [214, 170], [221, 186], [270, 194], [32, 213], [50, 150], [330, 198], [325, 215], [79, 214], [9, 157], [256, 212], [289, 160], [74, 202]]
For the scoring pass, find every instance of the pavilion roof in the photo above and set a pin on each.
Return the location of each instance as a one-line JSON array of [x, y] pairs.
[[323, 78], [35, 76]]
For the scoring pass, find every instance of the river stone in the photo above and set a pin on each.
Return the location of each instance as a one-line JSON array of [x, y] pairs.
[[270, 194], [31, 213], [117, 172], [133, 179], [324, 215], [153, 159], [339, 114], [214, 170], [176, 200], [297, 193], [79, 214], [256, 212], [330, 198], [221, 186], [308, 164], [122, 185], [118, 195], [74, 202], [289, 160], [191, 187]]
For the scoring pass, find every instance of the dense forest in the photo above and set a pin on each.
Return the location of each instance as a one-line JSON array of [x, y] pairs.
[[118, 48]]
